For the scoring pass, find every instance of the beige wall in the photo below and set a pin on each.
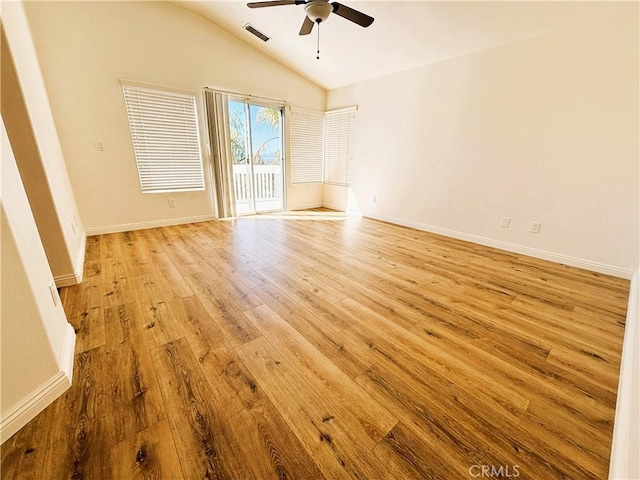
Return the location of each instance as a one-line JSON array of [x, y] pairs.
[[37, 343], [85, 48], [544, 129], [34, 139]]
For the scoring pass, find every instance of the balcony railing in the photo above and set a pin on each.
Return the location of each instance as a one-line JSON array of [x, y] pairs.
[[268, 186]]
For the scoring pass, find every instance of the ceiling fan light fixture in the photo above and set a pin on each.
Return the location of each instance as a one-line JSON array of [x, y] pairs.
[[318, 10]]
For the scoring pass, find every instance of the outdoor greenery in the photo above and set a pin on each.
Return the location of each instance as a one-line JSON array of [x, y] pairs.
[[267, 117]]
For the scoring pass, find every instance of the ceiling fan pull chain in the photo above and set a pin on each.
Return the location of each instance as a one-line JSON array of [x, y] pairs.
[[318, 52]]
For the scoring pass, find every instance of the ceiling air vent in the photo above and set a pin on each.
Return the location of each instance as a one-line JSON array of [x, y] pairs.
[[251, 29]]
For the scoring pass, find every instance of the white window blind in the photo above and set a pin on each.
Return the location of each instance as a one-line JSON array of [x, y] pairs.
[[339, 139], [306, 133], [164, 129]]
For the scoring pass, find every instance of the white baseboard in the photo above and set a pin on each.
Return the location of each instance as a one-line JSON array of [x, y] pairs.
[[43, 396], [510, 247], [626, 443], [333, 206], [305, 206], [127, 227], [74, 278], [68, 279]]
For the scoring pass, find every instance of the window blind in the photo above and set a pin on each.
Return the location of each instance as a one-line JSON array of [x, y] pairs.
[[306, 134], [339, 140], [166, 142]]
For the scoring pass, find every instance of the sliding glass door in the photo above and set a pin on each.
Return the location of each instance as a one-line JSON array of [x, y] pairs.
[[257, 156]]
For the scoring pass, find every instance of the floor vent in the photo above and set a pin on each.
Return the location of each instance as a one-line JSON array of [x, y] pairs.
[[251, 29]]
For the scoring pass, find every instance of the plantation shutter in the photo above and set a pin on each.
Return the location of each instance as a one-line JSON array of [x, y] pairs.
[[306, 133], [166, 141], [339, 140]]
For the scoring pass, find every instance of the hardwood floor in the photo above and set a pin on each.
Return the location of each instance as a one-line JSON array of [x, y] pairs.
[[321, 346]]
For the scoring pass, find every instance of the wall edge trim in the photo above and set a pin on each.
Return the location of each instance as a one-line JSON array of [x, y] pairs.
[[622, 448], [43, 396], [75, 278], [511, 247]]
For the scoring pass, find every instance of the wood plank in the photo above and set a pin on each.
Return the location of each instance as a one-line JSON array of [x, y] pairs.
[[205, 443], [198, 324], [24, 454], [300, 293], [320, 335], [135, 398], [149, 455], [369, 420], [268, 441], [84, 311], [225, 313], [79, 444], [232, 384], [467, 375], [337, 452]]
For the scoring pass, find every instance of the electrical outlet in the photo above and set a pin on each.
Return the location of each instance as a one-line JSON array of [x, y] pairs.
[[172, 202], [99, 144], [535, 227], [375, 198], [505, 222]]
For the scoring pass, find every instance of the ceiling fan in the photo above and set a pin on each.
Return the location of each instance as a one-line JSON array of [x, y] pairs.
[[318, 11]]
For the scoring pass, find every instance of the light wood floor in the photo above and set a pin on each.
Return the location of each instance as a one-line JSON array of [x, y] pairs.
[[328, 347]]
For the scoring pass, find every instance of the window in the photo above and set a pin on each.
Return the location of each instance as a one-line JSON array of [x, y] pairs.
[[306, 146], [339, 139], [166, 143]]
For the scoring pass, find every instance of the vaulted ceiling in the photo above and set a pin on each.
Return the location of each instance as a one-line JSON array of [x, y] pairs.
[[404, 35]]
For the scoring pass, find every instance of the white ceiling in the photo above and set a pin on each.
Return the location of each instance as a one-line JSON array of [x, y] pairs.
[[404, 35]]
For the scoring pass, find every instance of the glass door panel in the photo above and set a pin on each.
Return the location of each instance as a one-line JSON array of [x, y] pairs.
[[256, 151], [240, 155], [267, 160]]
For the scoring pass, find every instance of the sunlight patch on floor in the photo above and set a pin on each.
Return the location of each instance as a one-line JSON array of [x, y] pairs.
[[313, 214]]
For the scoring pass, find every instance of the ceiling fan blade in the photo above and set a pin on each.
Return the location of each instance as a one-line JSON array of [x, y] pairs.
[[273, 3], [307, 26], [350, 14]]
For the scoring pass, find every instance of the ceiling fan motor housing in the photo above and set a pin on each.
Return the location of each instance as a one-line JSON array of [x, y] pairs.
[[318, 10]]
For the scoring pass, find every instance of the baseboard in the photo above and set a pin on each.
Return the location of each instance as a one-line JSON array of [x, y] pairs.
[[78, 264], [305, 206], [626, 444], [43, 396], [127, 227], [75, 277], [511, 247], [68, 352], [333, 206], [68, 279]]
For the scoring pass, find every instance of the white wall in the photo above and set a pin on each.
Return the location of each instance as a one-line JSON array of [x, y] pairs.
[[544, 129], [34, 138], [37, 343], [85, 48]]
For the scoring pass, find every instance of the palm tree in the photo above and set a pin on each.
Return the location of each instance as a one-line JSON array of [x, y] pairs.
[[270, 117]]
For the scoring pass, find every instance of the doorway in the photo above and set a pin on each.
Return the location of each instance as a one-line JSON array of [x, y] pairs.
[[257, 154]]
